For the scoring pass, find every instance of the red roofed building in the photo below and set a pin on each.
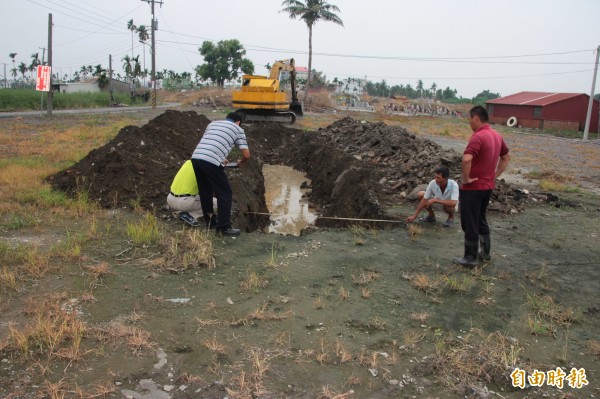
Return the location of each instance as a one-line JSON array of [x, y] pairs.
[[564, 111]]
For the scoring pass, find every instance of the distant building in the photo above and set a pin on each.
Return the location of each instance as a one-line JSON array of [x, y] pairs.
[[301, 73], [565, 111]]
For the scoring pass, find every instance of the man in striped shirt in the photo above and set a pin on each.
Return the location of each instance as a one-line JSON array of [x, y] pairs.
[[209, 160]]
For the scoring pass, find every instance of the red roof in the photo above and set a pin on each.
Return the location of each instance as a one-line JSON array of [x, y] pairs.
[[533, 98], [301, 69]]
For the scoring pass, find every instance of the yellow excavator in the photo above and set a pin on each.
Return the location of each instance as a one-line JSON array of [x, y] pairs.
[[261, 99]]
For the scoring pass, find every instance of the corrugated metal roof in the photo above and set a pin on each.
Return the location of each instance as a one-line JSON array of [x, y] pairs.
[[535, 98]]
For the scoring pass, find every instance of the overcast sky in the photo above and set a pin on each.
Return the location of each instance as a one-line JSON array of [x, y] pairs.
[[504, 46]]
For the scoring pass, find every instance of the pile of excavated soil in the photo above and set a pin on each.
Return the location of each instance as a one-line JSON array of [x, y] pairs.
[[138, 165], [357, 169], [406, 162]]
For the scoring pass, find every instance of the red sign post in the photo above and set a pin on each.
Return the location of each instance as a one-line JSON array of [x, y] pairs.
[[43, 78]]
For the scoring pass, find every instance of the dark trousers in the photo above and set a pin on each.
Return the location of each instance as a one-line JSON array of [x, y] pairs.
[[212, 179], [473, 207]]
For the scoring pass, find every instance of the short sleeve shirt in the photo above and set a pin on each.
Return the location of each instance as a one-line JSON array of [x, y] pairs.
[[450, 193], [218, 139], [185, 180]]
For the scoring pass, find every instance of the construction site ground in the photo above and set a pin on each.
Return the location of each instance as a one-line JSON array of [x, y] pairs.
[[348, 309]]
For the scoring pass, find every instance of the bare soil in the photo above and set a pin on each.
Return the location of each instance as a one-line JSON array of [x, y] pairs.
[[341, 311]]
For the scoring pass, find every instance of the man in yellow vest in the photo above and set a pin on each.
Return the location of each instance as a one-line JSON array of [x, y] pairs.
[[183, 196]]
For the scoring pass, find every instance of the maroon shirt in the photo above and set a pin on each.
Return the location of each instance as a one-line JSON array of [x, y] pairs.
[[487, 146]]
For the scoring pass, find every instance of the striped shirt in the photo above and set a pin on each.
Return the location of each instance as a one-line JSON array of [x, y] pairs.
[[218, 139]]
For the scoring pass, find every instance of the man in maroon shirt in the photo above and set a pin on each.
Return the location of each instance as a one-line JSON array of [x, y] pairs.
[[484, 159]]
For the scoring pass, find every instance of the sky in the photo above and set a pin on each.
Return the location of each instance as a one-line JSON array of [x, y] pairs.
[[503, 46]]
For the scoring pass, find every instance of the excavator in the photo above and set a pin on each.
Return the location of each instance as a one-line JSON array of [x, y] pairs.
[[261, 99]]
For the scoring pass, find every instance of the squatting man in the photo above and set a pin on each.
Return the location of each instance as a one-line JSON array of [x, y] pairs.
[[441, 193]]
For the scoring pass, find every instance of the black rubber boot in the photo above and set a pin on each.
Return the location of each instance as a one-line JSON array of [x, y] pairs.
[[485, 246], [470, 258]]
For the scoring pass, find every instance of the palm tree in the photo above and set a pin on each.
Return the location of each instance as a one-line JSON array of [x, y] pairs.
[[35, 61], [12, 56], [143, 35], [420, 87], [433, 90], [132, 28], [127, 65], [23, 69], [310, 12]]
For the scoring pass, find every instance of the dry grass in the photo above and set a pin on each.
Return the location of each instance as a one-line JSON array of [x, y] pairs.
[[412, 337], [253, 282], [545, 306], [214, 345], [319, 302], [98, 272], [477, 357], [459, 285], [421, 317], [365, 278], [423, 282], [343, 294], [594, 347], [414, 231], [188, 248]]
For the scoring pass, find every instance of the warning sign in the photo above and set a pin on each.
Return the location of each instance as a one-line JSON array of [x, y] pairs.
[[43, 78]]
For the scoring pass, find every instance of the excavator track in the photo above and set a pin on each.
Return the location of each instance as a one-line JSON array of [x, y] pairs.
[[267, 116]]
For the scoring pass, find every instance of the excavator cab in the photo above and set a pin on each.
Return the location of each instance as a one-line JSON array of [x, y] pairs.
[[260, 98]]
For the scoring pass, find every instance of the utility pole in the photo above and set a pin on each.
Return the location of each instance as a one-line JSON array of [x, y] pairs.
[[5, 85], [50, 94], [591, 103], [153, 49], [110, 90]]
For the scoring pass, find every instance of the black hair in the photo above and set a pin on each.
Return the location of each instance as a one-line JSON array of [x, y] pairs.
[[480, 112], [443, 170], [235, 117]]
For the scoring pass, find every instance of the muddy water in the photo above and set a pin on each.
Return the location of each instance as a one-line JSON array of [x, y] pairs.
[[285, 200]]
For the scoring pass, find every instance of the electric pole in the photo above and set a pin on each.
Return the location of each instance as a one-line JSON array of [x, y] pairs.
[[50, 94], [591, 103], [110, 82], [154, 26], [5, 86]]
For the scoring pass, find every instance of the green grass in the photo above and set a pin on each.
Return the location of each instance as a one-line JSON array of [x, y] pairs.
[[145, 231], [29, 100]]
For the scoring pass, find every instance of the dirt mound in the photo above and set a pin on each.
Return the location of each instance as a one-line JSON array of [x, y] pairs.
[[138, 165], [405, 161]]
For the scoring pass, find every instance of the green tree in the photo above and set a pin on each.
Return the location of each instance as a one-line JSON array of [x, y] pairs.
[[223, 61], [132, 28], [143, 35], [311, 11], [23, 68], [433, 90], [12, 57], [102, 76], [420, 87], [128, 66], [35, 61], [484, 96]]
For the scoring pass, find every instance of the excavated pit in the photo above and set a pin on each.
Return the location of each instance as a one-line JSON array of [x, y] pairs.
[[358, 169]]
